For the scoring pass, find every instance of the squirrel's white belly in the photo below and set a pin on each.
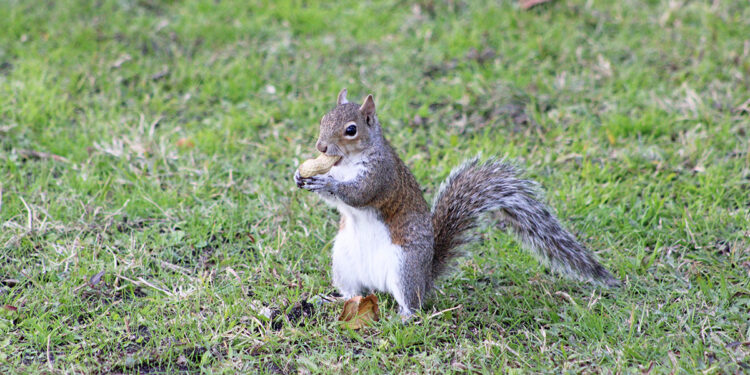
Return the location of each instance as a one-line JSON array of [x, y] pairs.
[[364, 256]]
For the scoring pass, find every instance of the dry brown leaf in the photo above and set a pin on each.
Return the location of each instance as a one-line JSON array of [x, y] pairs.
[[160, 74], [350, 309], [32, 154], [121, 60], [359, 312], [185, 143], [96, 279], [528, 4]]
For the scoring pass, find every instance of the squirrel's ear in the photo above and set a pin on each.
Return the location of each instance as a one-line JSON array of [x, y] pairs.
[[368, 107], [342, 98]]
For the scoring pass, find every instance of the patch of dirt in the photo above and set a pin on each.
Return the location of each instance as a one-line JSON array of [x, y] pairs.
[[148, 368], [273, 368], [5, 68], [302, 309], [138, 340], [428, 8], [503, 107], [299, 314], [126, 225], [152, 6], [722, 247], [84, 317], [195, 353], [482, 55], [188, 360], [104, 293], [436, 70], [202, 255], [487, 54], [10, 283]]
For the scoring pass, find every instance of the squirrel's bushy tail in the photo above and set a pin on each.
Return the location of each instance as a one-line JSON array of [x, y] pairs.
[[475, 188]]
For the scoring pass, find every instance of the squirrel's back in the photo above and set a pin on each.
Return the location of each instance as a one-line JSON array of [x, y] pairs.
[[402, 204]]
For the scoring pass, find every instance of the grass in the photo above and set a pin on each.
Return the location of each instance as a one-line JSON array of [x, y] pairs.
[[150, 222]]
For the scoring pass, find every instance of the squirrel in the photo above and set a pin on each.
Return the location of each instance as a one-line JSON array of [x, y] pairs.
[[390, 241]]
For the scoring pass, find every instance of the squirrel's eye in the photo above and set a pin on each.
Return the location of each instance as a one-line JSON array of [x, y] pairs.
[[351, 130]]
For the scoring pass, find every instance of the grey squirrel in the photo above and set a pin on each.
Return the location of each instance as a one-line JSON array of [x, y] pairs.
[[389, 240]]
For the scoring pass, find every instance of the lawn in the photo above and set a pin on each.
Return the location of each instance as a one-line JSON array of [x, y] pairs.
[[149, 222]]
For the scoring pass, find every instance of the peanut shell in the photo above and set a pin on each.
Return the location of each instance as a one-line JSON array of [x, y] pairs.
[[319, 165]]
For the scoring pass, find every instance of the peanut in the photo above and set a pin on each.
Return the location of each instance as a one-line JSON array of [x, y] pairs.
[[319, 165]]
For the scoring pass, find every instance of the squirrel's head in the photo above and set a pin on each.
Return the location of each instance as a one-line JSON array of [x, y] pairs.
[[349, 128]]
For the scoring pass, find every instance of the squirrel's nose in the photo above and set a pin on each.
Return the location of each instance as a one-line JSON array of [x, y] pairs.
[[321, 147]]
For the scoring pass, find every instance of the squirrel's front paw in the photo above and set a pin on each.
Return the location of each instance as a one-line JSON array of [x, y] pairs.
[[298, 180], [316, 184]]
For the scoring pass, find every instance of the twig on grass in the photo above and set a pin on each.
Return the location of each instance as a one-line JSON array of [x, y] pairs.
[[439, 313], [141, 281], [7, 128], [49, 358], [119, 211], [147, 199], [528, 4], [567, 297], [743, 108], [32, 154], [76, 289], [444, 311], [184, 271], [36, 284], [28, 210], [690, 232]]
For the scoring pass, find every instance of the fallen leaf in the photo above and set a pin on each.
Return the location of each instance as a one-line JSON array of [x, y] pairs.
[[121, 60], [458, 365], [7, 128], [743, 108], [736, 344], [162, 24], [611, 138], [528, 4], [182, 360], [185, 143], [10, 308], [350, 309], [32, 154], [96, 279], [359, 312], [648, 370], [232, 272], [160, 74]]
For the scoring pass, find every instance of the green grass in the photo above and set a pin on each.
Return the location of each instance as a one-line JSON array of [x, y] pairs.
[[181, 123]]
